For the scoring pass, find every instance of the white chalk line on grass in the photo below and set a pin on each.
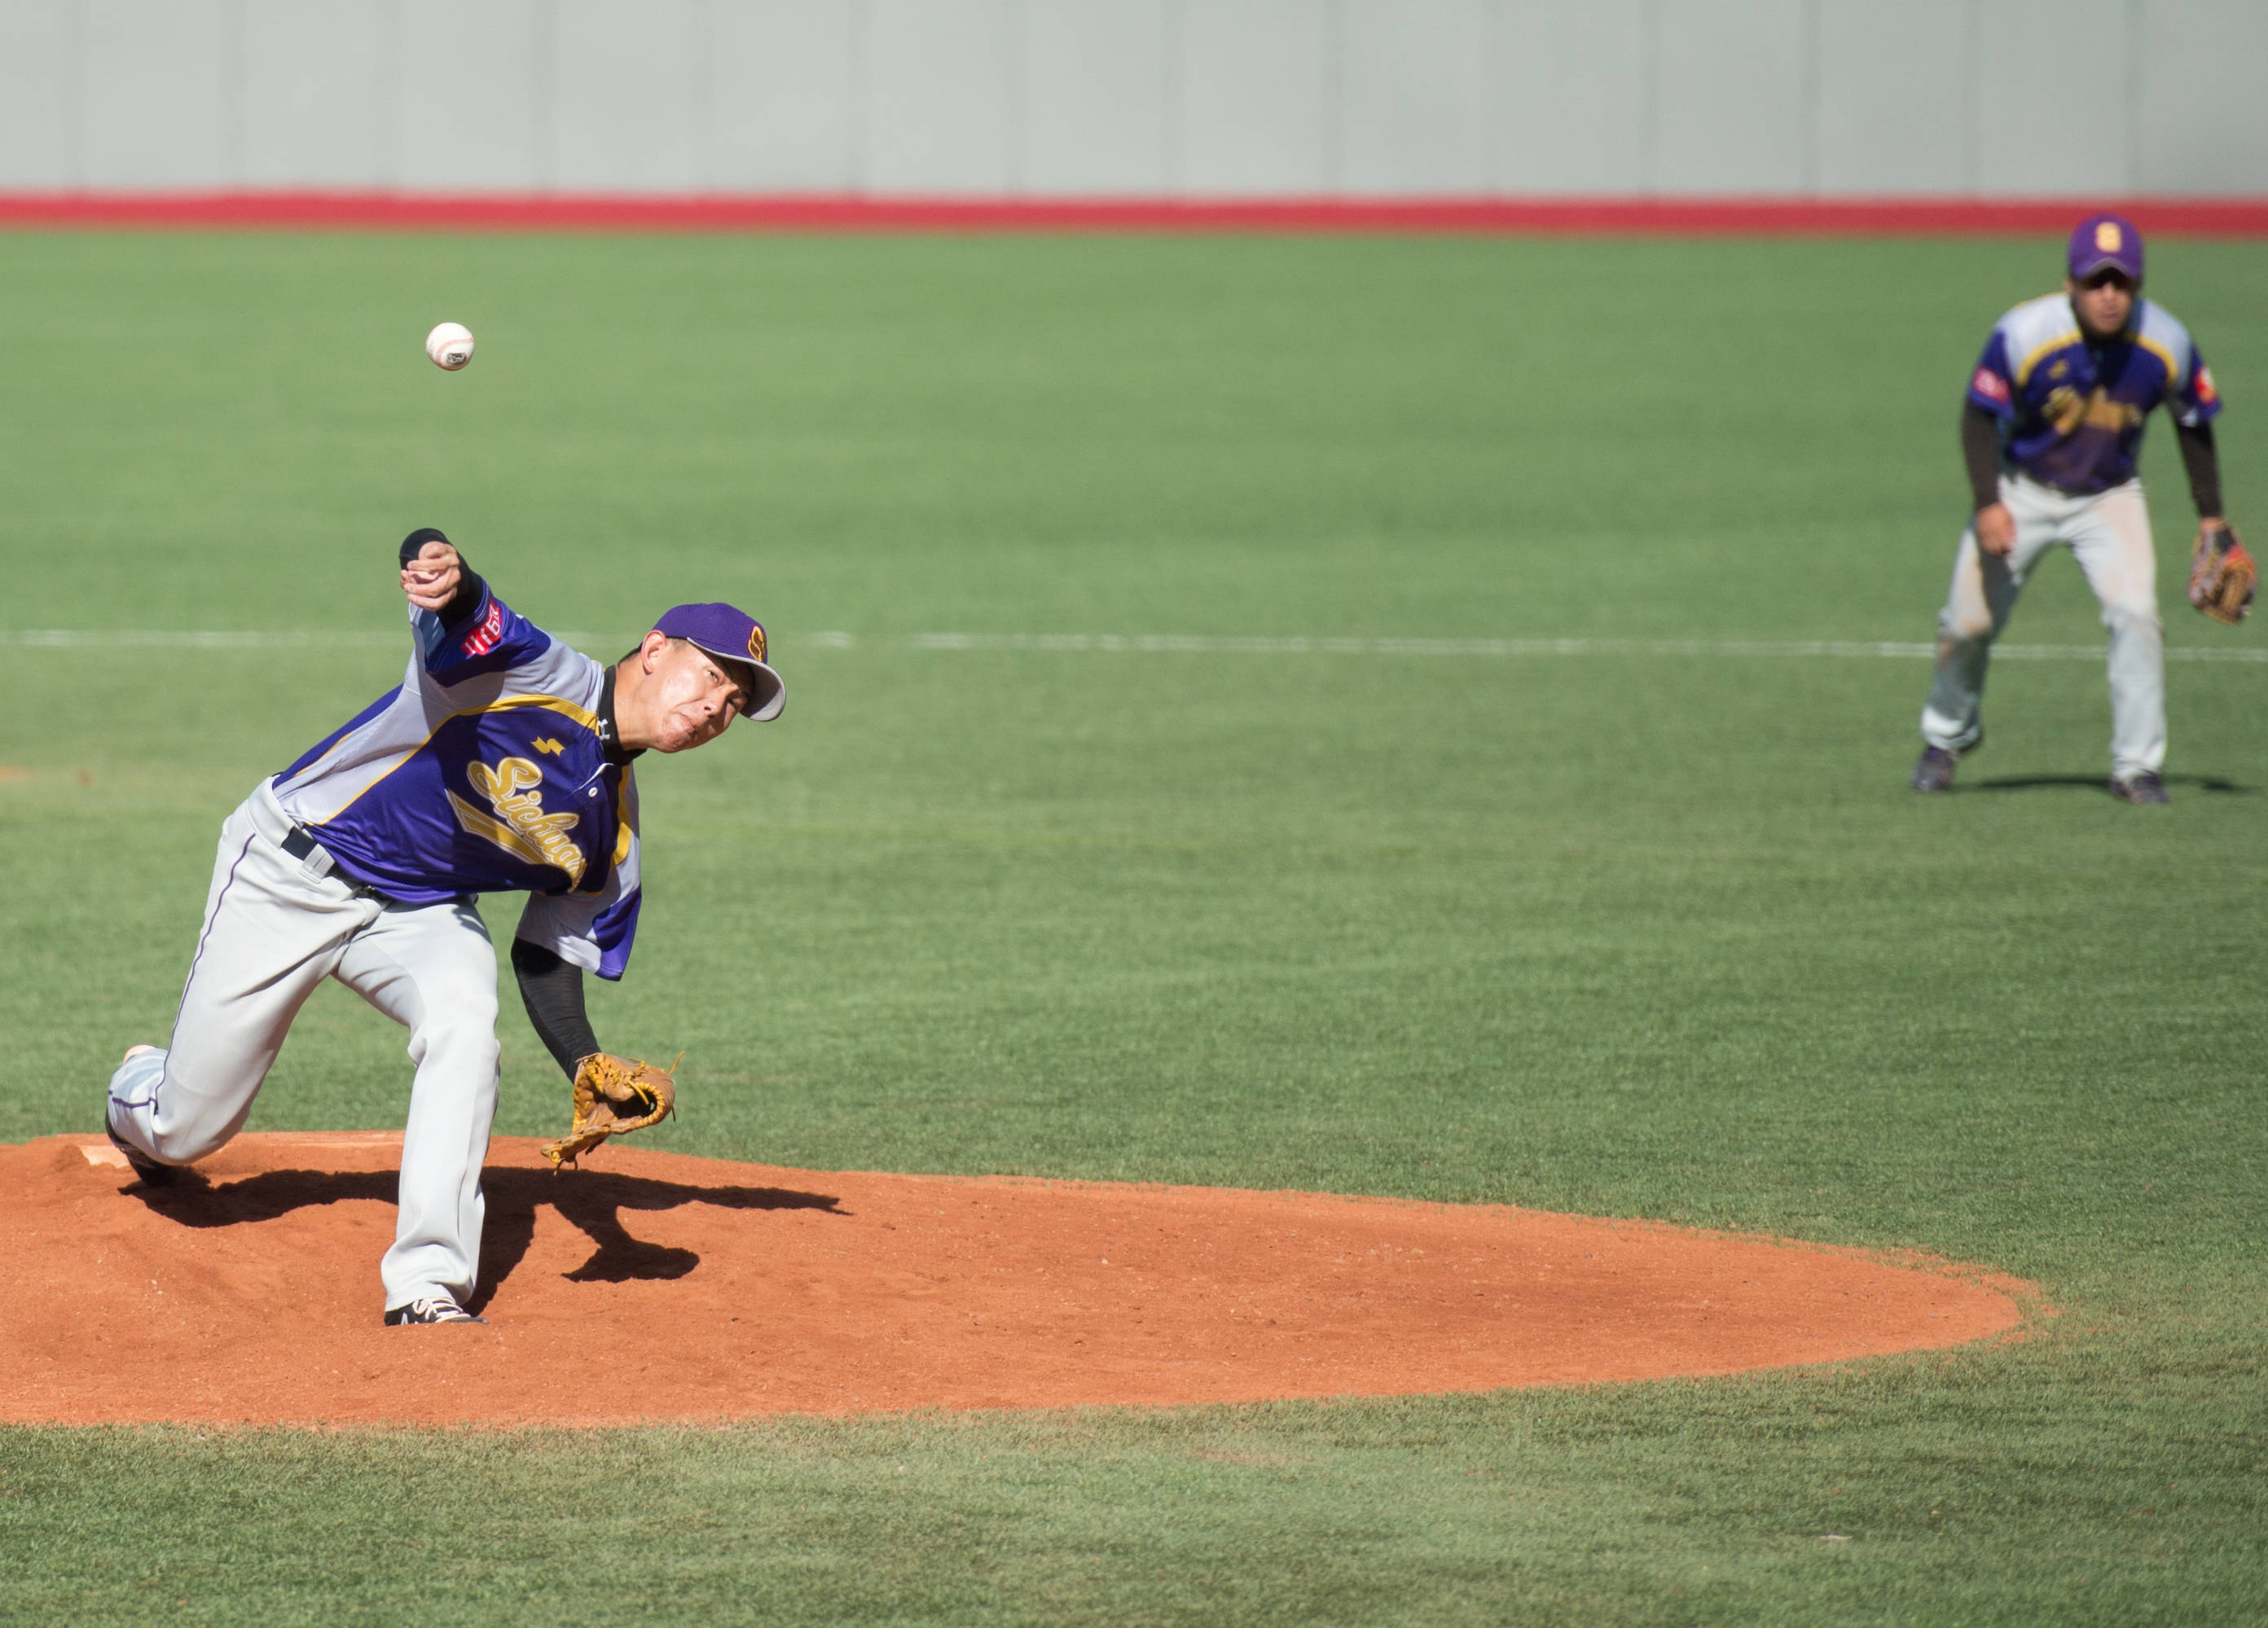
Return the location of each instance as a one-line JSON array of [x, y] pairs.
[[191, 639], [1207, 644], [1154, 643], [219, 639]]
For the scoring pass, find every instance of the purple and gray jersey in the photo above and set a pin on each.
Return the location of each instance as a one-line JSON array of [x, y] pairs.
[[491, 769], [2071, 413]]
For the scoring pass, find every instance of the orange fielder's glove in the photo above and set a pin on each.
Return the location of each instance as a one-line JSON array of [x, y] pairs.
[[2222, 577], [613, 1095]]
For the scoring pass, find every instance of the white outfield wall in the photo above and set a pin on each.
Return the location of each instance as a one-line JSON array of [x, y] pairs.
[[1140, 98]]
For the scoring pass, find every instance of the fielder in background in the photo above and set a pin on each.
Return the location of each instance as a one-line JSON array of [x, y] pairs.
[[2051, 431], [501, 764]]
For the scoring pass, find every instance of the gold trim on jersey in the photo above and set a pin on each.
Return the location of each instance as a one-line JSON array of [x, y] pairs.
[[2137, 338], [588, 720], [624, 829], [2173, 373], [566, 708], [2069, 336]]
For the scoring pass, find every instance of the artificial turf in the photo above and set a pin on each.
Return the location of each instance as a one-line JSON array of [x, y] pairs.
[[1630, 934]]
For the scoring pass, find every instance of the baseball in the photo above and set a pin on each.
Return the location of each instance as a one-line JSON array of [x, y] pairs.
[[450, 345]]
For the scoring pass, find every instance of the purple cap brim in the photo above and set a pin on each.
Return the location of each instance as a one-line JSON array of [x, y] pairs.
[[771, 690], [731, 634]]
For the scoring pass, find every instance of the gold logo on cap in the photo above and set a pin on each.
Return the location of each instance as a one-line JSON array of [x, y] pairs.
[[2107, 237], [757, 642]]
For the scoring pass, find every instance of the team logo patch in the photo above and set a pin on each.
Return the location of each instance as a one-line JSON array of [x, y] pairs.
[[756, 642], [520, 827], [1990, 385], [483, 638], [2107, 237], [2067, 410]]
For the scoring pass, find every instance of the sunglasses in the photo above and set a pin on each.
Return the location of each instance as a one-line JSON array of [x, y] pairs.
[[2107, 279]]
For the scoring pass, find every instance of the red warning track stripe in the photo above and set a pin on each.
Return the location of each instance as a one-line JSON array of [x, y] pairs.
[[1742, 216]]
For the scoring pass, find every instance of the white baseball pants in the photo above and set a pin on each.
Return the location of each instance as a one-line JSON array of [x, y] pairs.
[[2110, 536], [275, 927]]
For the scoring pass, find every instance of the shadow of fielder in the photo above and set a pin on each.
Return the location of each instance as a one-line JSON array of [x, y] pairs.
[[2100, 783]]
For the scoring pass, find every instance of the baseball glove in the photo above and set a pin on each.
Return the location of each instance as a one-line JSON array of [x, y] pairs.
[[2222, 576], [613, 1095]]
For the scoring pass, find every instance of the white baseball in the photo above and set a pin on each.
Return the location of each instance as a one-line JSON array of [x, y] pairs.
[[450, 345]]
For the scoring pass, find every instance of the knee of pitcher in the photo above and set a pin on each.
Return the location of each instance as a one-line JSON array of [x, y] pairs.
[[2132, 615], [463, 1039]]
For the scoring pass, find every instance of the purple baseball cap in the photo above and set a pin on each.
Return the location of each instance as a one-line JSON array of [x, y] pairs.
[[730, 632], [2105, 242]]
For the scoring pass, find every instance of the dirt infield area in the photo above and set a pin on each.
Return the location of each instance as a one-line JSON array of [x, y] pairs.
[[654, 1286]]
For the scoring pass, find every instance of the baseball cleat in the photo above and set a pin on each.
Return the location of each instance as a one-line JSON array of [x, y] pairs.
[[146, 1170], [2143, 788], [1933, 769], [440, 1309], [151, 1173]]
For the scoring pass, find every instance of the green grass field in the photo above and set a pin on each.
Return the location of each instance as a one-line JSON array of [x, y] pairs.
[[1633, 934]]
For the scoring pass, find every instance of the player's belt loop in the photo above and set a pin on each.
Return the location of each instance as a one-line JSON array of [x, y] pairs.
[[300, 844], [316, 860]]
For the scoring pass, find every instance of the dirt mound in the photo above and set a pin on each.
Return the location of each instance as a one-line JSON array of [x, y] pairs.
[[655, 1285]]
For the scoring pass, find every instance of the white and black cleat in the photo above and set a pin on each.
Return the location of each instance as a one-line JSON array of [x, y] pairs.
[[440, 1309], [2141, 788], [1933, 769], [152, 1173], [146, 1170]]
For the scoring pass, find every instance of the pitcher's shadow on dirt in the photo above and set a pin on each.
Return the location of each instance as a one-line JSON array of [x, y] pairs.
[[592, 1201]]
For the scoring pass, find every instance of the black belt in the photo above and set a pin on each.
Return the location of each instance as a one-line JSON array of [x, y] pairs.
[[300, 844], [2061, 490]]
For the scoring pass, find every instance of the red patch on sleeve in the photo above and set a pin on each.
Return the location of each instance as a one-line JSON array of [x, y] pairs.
[[1990, 385], [483, 638], [2206, 392]]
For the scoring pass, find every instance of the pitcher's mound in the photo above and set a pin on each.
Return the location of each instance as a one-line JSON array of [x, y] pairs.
[[655, 1285]]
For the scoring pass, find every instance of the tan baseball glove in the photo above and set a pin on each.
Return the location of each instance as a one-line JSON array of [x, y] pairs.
[[613, 1095], [2222, 576]]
